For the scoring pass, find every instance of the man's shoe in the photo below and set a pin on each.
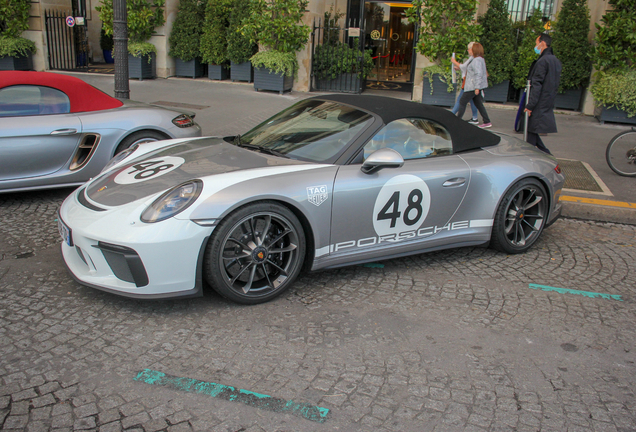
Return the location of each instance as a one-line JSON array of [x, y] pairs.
[[485, 125], [473, 121]]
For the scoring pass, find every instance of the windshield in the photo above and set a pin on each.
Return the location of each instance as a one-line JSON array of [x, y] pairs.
[[312, 130]]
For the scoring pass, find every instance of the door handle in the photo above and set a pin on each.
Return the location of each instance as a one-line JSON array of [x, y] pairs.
[[64, 132], [457, 181]]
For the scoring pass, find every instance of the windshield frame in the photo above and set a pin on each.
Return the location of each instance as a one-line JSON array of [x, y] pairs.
[[367, 121]]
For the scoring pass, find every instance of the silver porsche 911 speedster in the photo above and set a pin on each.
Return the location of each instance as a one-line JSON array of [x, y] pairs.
[[331, 181], [57, 130]]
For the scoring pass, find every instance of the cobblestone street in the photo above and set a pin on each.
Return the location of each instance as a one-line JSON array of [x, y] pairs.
[[454, 340]]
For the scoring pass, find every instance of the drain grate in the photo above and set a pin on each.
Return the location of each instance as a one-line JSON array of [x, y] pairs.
[[578, 176], [180, 105]]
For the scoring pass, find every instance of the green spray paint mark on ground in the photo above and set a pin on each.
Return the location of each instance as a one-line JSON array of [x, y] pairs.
[[229, 393], [372, 265], [571, 291]]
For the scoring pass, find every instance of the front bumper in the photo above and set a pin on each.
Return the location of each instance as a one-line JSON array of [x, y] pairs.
[[114, 251]]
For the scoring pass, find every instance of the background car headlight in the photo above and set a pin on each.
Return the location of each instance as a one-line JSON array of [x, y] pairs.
[[120, 157], [173, 202]]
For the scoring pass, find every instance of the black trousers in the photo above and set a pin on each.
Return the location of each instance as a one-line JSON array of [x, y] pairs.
[[479, 103], [535, 140]]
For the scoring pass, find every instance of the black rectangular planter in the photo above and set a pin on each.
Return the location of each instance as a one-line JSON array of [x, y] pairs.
[[498, 92], [16, 63], [265, 79], [571, 99], [345, 83], [140, 67], [192, 68], [218, 72], [441, 96], [615, 115], [242, 71]]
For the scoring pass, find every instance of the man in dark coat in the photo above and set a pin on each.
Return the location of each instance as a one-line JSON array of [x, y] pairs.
[[544, 76]]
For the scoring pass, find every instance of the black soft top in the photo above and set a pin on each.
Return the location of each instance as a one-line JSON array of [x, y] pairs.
[[464, 135]]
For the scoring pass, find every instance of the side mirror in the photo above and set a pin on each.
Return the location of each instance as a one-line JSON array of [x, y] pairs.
[[383, 158]]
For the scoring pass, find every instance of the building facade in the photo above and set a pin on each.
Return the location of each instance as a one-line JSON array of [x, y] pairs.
[[383, 24]]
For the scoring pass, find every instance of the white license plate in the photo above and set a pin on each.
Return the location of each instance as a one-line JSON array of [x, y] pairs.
[[65, 232]]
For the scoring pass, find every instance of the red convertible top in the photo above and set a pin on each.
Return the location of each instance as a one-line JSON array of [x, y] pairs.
[[83, 97]]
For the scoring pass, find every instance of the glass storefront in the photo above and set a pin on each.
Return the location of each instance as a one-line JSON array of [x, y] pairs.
[[389, 36]]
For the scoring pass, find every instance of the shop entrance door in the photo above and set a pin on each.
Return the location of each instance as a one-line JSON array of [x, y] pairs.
[[389, 35]]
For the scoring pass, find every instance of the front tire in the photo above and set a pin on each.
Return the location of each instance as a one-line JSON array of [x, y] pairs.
[[255, 253], [621, 153], [520, 218]]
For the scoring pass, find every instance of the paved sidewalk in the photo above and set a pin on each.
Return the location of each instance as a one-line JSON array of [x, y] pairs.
[[226, 108]]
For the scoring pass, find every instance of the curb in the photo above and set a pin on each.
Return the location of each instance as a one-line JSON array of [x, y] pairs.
[[598, 210]]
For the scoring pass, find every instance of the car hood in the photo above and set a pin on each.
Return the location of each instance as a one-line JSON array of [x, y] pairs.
[[170, 166]]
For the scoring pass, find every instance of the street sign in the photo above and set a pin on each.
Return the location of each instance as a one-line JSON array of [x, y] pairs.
[[79, 21], [70, 21], [354, 31]]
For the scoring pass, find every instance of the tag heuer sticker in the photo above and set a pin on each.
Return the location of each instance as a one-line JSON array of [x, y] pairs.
[[317, 194]]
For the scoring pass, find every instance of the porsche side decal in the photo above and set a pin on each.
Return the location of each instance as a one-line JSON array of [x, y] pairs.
[[403, 235]]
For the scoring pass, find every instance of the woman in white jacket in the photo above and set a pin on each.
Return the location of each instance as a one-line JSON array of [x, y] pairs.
[[476, 81]]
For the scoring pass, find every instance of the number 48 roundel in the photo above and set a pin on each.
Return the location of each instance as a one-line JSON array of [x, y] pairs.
[[149, 169], [402, 205]]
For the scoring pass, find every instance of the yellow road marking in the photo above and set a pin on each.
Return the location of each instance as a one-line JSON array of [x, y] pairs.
[[598, 202]]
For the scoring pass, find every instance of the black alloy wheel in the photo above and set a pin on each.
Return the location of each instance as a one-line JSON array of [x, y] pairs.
[[520, 218], [255, 253]]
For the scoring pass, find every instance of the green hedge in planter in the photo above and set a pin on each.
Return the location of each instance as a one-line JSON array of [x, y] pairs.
[[276, 61], [330, 61], [615, 43], [616, 89], [14, 19], [186, 31], [214, 37], [570, 44], [496, 39], [525, 52], [16, 47], [442, 73], [143, 18], [240, 47]]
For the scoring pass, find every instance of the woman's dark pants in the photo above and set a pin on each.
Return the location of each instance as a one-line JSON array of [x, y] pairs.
[[479, 103]]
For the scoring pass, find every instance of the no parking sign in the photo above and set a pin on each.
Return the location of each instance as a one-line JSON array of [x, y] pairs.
[[70, 21]]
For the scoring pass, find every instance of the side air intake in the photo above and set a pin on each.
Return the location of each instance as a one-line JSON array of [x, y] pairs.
[[84, 151]]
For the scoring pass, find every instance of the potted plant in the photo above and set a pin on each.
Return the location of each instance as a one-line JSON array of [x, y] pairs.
[[185, 38], [143, 18], [214, 38], [570, 45], [443, 30], [340, 67], [496, 39], [276, 25], [239, 46], [525, 55], [15, 51], [106, 44], [615, 91], [614, 57]]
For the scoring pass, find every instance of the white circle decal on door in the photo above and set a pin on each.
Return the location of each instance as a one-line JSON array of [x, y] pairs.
[[402, 205], [149, 169]]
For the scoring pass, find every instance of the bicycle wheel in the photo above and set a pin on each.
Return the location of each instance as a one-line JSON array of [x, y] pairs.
[[621, 153]]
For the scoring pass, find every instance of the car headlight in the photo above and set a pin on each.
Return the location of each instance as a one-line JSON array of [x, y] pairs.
[[173, 202], [120, 157]]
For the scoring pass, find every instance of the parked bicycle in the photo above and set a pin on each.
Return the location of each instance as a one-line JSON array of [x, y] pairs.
[[621, 153]]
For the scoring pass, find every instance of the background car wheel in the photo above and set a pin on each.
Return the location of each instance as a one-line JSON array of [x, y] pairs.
[[255, 253], [520, 218], [139, 137]]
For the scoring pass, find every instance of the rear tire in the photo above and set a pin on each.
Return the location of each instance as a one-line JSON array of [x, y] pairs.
[[138, 138], [256, 253], [520, 218]]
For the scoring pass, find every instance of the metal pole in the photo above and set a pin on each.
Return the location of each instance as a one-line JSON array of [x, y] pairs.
[[525, 123], [120, 42]]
